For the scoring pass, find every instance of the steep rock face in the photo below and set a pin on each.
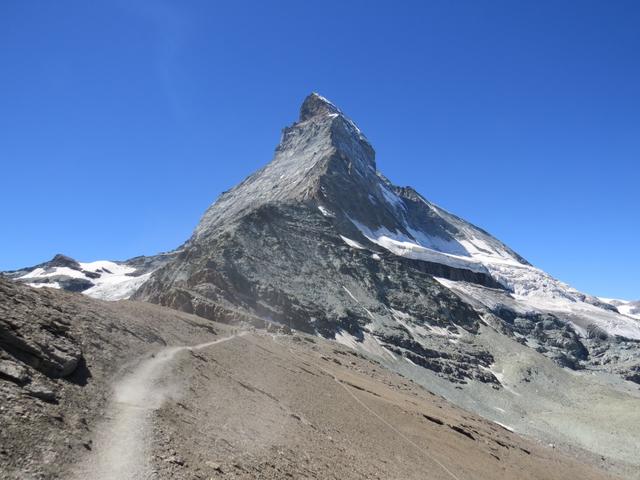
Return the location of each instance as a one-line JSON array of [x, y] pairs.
[[34, 332], [309, 163], [281, 263], [325, 161]]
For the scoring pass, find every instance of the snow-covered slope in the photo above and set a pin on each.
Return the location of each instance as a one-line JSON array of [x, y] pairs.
[[625, 307], [403, 222], [459, 244], [102, 279], [111, 281], [531, 287]]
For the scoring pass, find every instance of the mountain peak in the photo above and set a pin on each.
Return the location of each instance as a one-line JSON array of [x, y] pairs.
[[315, 105], [60, 260]]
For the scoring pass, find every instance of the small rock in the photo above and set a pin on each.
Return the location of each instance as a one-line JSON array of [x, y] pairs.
[[214, 465], [175, 460], [13, 371], [41, 392]]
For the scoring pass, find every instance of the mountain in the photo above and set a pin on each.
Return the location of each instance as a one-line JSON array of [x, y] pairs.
[[325, 167], [319, 241], [625, 307]]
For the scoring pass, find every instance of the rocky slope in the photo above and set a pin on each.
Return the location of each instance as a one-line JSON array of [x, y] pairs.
[[321, 241], [58, 354], [124, 400]]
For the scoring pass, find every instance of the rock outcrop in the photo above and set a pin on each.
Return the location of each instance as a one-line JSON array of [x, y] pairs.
[[35, 334]]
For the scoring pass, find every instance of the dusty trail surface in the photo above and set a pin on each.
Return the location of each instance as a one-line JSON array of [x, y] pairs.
[[122, 447], [60, 356]]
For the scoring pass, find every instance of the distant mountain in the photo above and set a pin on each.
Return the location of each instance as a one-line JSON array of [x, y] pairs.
[[626, 307], [103, 279]]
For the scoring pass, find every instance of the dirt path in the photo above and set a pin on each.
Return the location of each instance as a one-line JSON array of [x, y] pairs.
[[121, 449]]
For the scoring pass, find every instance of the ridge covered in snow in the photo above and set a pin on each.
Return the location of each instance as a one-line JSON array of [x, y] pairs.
[[473, 249], [625, 307], [105, 280], [101, 279]]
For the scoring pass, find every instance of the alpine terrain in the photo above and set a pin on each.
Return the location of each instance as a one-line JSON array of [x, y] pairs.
[[321, 322]]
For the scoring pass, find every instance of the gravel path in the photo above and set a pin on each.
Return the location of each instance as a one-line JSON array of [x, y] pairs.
[[121, 449]]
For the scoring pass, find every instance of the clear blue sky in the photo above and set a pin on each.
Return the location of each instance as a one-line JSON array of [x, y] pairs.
[[121, 121]]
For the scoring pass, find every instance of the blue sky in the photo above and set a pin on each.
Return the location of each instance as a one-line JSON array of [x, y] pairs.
[[121, 121]]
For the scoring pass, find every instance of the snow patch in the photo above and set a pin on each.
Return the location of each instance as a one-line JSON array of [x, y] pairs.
[[42, 285], [410, 361], [350, 294], [54, 272], [392, 199], [117, 287], [368, 344], [345, 338], [352, 243], [625, 307], [418, 331], [535, 291], [116, 281], [506, 427], [403, 246], [325, 211]]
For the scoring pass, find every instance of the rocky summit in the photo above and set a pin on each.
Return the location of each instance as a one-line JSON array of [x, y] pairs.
[[332, 266]]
